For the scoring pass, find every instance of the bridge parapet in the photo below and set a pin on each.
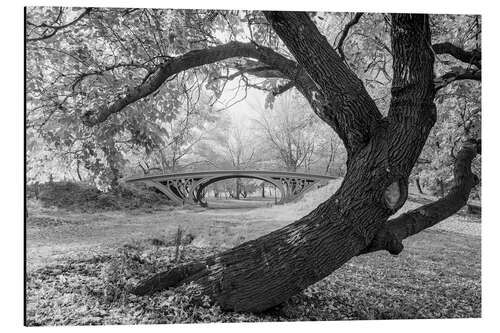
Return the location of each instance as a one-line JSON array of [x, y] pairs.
[[187, 187]]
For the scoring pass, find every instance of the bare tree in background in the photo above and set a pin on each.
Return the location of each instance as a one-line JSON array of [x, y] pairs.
[[288, 130]]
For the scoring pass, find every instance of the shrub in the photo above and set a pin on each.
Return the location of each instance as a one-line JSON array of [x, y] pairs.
[[79, 196]]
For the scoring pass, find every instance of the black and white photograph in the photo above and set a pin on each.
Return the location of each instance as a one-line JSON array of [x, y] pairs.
[[231, 165]]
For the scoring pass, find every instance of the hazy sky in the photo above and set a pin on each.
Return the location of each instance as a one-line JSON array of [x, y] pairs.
[[243, 113]]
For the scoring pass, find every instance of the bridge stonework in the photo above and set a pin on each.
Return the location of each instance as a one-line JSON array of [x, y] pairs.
[[187, 187]]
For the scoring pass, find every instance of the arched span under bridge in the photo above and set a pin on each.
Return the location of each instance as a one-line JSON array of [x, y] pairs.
[[187, 187]]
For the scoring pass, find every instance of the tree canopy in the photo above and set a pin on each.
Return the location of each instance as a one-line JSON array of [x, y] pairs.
[[151, 82]]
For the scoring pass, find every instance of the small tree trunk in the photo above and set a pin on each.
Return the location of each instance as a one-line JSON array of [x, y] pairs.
[[113, 157], [78, 170], [37, 190], [440, 183], [417, 182]]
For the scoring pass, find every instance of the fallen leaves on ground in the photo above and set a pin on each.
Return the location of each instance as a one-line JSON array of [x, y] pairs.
[[437, 276]]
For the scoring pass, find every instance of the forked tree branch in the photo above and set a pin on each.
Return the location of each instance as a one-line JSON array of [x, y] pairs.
[[413, 222], [346, 105]]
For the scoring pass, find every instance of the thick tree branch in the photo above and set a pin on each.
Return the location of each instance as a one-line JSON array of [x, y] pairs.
[[105, 69], [456, 75], [263, 72], [389, 238], [194, 59], [345, 105], [472, 57], [412, 112], [345, 32], [254, 68], [350, 110], [283, 88]]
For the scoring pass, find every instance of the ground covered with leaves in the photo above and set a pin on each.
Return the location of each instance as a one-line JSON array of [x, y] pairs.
[[437, 276]]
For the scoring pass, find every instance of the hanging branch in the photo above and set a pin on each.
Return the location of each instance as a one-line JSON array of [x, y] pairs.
[[55, 28], [345, 32]]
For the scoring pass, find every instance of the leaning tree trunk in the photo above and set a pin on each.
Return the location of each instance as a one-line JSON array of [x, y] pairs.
[[265, 272]]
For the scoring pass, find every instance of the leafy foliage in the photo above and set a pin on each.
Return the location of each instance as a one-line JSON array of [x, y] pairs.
[[79, 59], [99, 57]]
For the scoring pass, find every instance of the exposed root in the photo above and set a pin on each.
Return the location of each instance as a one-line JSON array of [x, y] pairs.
[[167, 279]]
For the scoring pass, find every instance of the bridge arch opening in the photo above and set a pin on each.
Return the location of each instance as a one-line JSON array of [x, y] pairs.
[[203, 185]]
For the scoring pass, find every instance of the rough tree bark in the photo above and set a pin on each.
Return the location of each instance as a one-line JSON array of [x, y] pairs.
[[264, 272]]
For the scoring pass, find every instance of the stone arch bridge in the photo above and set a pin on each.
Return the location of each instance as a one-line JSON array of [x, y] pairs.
[[187, 187]]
